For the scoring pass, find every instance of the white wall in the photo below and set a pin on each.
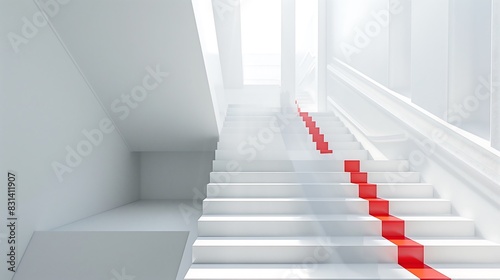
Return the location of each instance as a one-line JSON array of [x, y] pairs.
[[115, 43], [288, 83], [358, 34], [495, 89], [208, 40], [470, 66], [400, 49], [306, 47], [429, 55], [45, 106], [175, 175], [227, 18], [322, 54]]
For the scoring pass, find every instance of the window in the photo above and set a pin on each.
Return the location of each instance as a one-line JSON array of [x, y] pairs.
[[261, 41]]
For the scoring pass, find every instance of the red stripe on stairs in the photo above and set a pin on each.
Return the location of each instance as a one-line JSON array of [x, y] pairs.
[[318, 138], [410, 253]]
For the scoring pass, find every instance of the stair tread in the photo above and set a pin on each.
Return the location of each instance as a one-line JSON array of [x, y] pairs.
[[335, 241], [313, 199], [335, 271], [342, 217], [294, 271], [469, 271], [312, 172], [319, 184]]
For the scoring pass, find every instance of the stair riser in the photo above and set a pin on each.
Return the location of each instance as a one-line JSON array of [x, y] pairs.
[[288, 177], [294, 255], [436, 207], [249, 114], [306, 166], [275, 145], [331, 228], [304, 190], [366, 253], [252, 153], [252, 124], [292, 228], [284, 208], [236, 139], [293, 145], [463, 254], [279, 191], [287, 129], [266, 118]]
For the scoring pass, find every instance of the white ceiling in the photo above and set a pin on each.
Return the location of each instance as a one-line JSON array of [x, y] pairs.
[[114, 41]]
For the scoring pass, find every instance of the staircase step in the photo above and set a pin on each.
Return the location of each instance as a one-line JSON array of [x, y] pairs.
[[236, 139], [466, 271], [337, 249], [471, 250], [310, 177], [296, 145], [291, 190], [253, 113], [307, 270], [282, 118], [333, 225], [251, 153], [259, 123], [294, 250], [321, 114], [297, 206], [255, 131], [288, 129], [309, 165]]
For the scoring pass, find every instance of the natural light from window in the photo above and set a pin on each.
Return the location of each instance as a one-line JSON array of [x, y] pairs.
[[261, 41]]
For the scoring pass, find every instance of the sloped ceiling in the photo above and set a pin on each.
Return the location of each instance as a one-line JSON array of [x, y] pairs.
[[115, 42]]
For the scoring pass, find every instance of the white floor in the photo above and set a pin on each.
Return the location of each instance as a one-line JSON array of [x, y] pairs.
[[148, 215]]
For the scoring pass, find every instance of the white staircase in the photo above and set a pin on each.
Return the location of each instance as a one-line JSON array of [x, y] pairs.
[[278, 209]]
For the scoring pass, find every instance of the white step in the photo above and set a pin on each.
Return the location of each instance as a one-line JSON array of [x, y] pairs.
[[471, 250], [310, 177], [291, 190], [266, 118], [243, 108], [298, 206], [295, 128], [328, 122], [337, 249], [310, 165], [324, 225], [321, 115], [236, 139], [252, 113], [271, 122], [255, 131], [359, 249], [312, 271], [466, 271], [251, 153], [295, 145]]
